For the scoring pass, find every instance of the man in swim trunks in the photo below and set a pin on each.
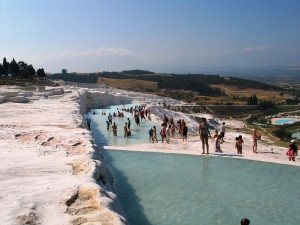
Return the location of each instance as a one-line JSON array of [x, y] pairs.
[[114, 127]]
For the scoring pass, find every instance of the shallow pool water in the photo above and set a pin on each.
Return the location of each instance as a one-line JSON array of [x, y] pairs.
[[285, 121], [296, 135], [170, 189], [102, 136]]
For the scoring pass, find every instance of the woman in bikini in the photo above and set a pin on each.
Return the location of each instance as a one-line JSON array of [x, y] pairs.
[[204, 134]]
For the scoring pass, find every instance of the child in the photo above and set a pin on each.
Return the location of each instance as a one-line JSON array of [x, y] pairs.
[[236, 139], [239, 144], [216, 134], [218, 143], [107, 125], [292, 150]]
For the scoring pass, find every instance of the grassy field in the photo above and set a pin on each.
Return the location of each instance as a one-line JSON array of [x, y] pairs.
[[235, 95], [246, 93], [130, 84], [218, 100]]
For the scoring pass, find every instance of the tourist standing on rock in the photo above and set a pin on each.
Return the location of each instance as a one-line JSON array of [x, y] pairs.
[[168, 134], [292, 150], [184, 132], [204, 133], [180, 127], [255, 138], [114, 128], [150, 133], [294, 147], [88, 122], [173, 129], [239, 144], [163, 133], [154, 134], [216, 134], [222, 131]]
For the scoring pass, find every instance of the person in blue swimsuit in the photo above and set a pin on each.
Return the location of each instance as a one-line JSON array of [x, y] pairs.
[[150, 133], [204, 134]]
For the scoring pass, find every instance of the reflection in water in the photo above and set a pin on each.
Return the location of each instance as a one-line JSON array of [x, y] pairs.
[[204, 172], [130, 202]]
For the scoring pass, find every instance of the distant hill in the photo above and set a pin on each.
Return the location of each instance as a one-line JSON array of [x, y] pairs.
[[204, 85], [137, 72], [283, 76], [195, 82]]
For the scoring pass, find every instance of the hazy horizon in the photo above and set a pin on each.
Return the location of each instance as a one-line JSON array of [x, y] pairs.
[[167, 36]]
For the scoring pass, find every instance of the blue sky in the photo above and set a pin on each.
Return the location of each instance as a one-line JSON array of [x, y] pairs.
[[157, 35]]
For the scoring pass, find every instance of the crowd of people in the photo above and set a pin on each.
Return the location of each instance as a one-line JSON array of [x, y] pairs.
[[169, 127], [168, 130], [139, 113]]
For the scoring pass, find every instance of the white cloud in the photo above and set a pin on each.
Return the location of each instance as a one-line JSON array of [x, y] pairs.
[[100, 52], [256, 49]]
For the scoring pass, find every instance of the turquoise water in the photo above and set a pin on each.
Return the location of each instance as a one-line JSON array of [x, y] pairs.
[[296, 135], [103, 136], [285, 121], [170, 189]]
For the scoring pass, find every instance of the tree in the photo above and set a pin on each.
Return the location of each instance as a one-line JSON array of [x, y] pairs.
[[26, 70], [14, 68], [263, 105], [1, 69], [31, 71], [5, 66], [40, 73], [292, 101], [64, 71], [282, 134], [252, 100]]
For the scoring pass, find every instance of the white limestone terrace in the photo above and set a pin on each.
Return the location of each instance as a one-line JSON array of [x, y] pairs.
[[51, 172]]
